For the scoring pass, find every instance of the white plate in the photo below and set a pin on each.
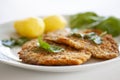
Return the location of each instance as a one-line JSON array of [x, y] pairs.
[[9, 56]]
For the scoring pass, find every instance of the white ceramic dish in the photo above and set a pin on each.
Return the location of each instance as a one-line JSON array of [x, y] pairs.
[[9, 56]]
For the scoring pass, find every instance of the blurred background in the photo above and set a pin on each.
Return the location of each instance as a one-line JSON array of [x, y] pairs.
[[17, 9]]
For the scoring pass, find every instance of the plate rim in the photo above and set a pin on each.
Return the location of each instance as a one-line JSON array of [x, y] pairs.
[[55, 68]]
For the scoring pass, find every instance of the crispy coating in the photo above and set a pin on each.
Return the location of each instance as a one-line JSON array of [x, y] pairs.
[[76, 50], [55, 34], [33, 54], [107, 50]]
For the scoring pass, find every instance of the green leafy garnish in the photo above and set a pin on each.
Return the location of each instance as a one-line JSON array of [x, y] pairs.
[[14, 42], [90, 20], [83, 20], [20, 41], [92, 36], [111, 25], [8, 43], [48, 47], [77, 35]]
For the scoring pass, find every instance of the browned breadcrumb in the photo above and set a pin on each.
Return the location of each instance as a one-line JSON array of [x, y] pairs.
[[107, 50], [32, 54], [76, 50]]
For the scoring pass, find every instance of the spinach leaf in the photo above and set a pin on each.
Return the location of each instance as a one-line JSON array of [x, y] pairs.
[[92, 36], [90, 20], [82, 20], [21, 41], [77, 35], [12, 42], [48, 47], [8, 42], [111, 25]]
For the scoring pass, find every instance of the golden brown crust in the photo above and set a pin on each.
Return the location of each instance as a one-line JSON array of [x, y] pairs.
[[69, 56], [55, 34], [107, 50], [77, 50]]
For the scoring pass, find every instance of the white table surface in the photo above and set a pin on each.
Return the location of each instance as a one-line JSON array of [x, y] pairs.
[[17, 9]]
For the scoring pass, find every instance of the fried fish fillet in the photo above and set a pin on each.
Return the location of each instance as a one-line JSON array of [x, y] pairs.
[[107, 50], [32, 54]]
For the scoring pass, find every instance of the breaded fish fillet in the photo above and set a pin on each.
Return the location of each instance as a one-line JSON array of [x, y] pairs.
[[107, 50], [33, 54]]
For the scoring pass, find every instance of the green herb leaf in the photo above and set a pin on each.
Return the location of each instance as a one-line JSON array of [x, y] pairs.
[[21, 41], [97, 40], [77, 35], [12, 42], [48, 47], [83, 20], [93, 37], [90, 36], [111, 25], [8, 43], [90, 20], [56, 49]]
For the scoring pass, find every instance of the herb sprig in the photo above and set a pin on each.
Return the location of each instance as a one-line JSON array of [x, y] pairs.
[[92, 36], [48, 47], [12, 42], [90, 20]]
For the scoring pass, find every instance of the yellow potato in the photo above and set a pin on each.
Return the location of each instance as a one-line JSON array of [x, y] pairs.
[[54, 22], [30, 27]]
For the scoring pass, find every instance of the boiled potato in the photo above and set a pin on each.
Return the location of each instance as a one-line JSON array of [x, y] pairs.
[[54, 22], [30, 27]]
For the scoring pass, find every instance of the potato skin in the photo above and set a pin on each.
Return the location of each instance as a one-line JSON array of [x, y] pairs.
[[30, 27], [54, 22]]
